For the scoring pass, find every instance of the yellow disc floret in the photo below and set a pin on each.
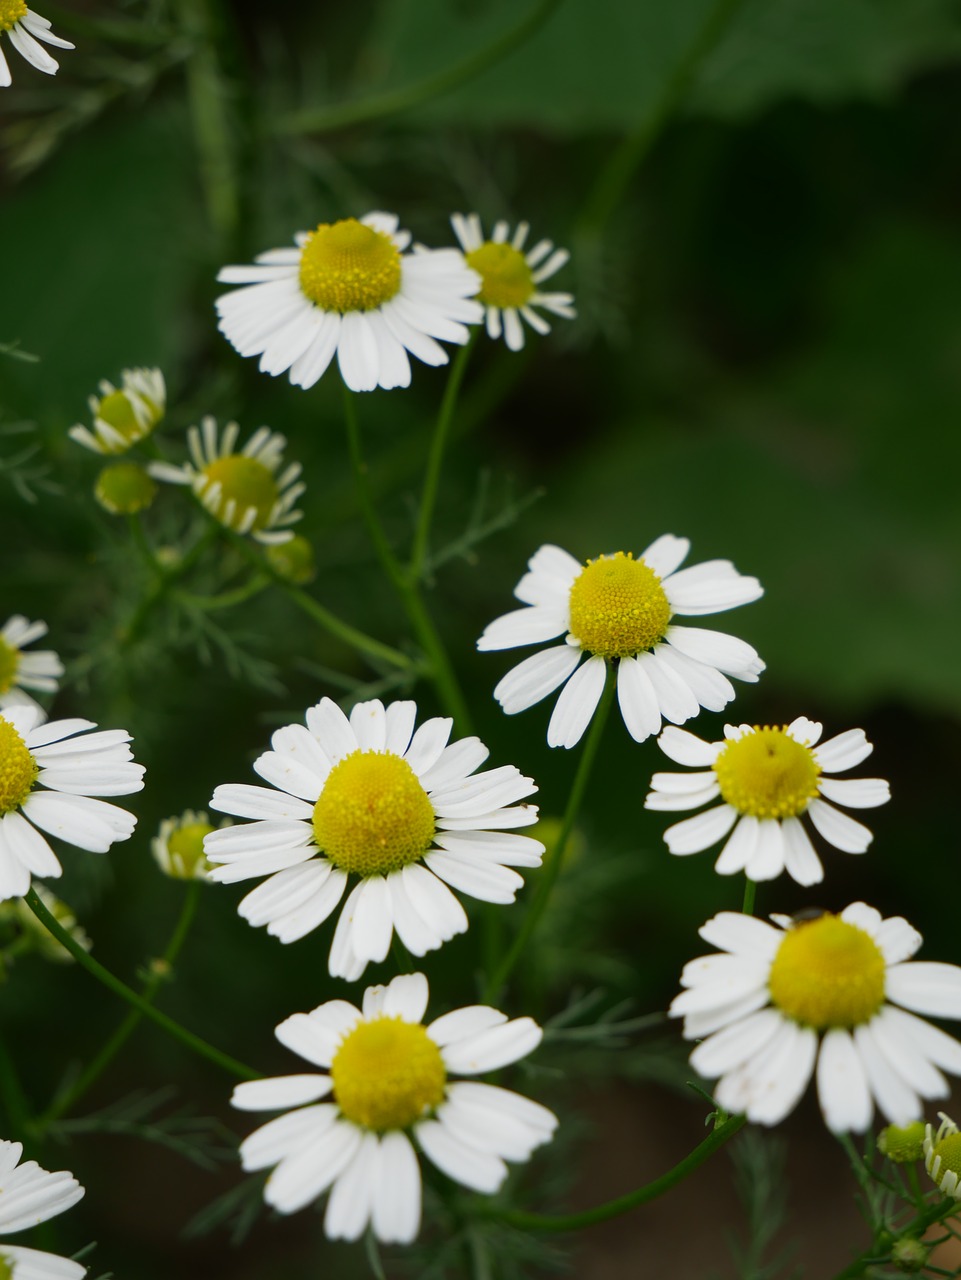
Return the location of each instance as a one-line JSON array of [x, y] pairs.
[[506, 279], [18, 769], [948, 1149], [9, 665], [11, 11], [246, 483], [618, 607], [373, 816], [768, 774], [185, 846], [828, 973], [116, 410], [387, 1073], [347, 266]]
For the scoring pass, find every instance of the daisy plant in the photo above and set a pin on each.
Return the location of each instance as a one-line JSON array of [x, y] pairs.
[[942, 1155], [124, 415]]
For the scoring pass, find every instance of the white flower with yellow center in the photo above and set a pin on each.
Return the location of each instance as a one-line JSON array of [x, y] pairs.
[[49, 776], [617, 609], [349, 289], [767, 777], [388, 1076], [244, 490], [942, 1155], [28, 1195], [370, 798], [510, 278], [178, 847], [18, 670], [126, 415], [25, 28], [781, 1003]]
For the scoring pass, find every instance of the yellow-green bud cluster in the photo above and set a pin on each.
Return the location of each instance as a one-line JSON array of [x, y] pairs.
[[124, 488]]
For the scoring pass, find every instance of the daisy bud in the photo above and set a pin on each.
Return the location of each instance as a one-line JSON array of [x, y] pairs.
[[124, 488], [293, 561], [903, 1146]]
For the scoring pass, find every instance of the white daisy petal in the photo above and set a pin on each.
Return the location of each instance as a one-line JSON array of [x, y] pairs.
[[351, 1199], [740, 849], [843, 1090], [700, 832], [838, 829], [925, 986], [742, 935], [493, 1048], [674, 696], [479, 1170], [464, 1023], [31, 1264], [637, 700], [684, 747], [843, 752], [727, 1049], [800, 859], [537, 676], [856, 793], [577, 703], [715, 649], [905, 1056], [279, 1092], [397, 1192], [767, 1087], [303, 1176], [666, 554], [285, 1135], [768, 856]]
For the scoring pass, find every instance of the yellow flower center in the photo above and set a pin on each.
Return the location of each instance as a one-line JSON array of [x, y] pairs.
[[18, 769], [828, 973], [9, 664], [247, 483], [11, 11], [618, 607], [6, 1268], [506, 279], [347, 266], [767, 774], [387, 1073], [373, 816], [186, 848], [949, 1149]]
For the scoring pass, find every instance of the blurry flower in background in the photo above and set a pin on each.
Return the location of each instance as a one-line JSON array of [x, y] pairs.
[[34, 934], [349, 290], [125, 415], [18, 670], [389, 1076], [293, 560], [124, 488], [942, 1156], [28, 1195], [510, 278], [24, 28], [178, 846]]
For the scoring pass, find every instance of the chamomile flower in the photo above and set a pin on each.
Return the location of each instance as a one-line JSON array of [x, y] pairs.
[[241, 489], [20, 671], [178, 846], [942, 1155], [367, 797], [389, 1079], [510, 278], [25, 28], [49, 776], [619, 610], [28, 1195], [784, 1001], [126, 415], [767, 778], [348, 289]]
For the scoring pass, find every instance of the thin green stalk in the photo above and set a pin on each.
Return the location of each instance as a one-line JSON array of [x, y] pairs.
[[228, 599], [15, 1103], [551, 869], [750, 893], [935, 1213], [166, 580], [381, 105], [112, 983]]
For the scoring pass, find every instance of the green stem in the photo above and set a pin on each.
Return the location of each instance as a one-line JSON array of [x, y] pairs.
[[935, 1213], [167, 579], [393, 101], [228, 599], [103, 975], [552, 867], [750, 893]]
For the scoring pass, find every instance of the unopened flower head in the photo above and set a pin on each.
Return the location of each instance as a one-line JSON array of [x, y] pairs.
[[20, 671], [28, 1195], [620, 610], [40, 939], [24, 28], [293, 560], [248, 490], [401, 812], [387, 1076], [122, 416], [767, 777], [511, 278], [784, 1001], [902, 1144], [348, 289], [178, 846], [942, 1155], [50, 775], [124, 488]]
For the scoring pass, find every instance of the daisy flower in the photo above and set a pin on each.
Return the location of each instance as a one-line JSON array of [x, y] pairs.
[[617, 609], [123, 416], [388, 1078], [349, 289], [510, 278], [368, 797], [178, 847], [242, 490], [25, 28], [28, 1195], [781, 998], [20, 671], [942, 1155], [767, 778], [49, 775]]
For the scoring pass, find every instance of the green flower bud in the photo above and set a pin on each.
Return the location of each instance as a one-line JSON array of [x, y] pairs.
[[902, 1145], [123, 488], [292, 560], [909, 1254], [178, 846]]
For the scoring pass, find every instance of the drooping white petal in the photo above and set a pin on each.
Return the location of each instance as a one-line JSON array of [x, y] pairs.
[[926, 986], [537, 676], [397, 1191], [700, 832], [843, 1090], [838, 829], [479, 1170], [280, 1092]]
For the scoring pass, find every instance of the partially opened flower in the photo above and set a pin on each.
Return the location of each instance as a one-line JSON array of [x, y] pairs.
[[783, 1002], [20, 671], [767, 778], [245, 490], [511, 279], [28, 1195], [178, 846], [388, 1077], [619, 610], [348, 289], [369, 798], [122, 416], [942, 1156], [49, 776], [25, 28]]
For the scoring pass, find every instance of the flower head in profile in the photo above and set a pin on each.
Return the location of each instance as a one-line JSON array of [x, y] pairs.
[[767, 778], [20, 671], [50, 775], [248, 490], [618, 609], [348, 289], [125, 415], [388, 1078], [25, 28], [825, 997], [403, 813], [28, 1195], [510, 278], [178, 846], [942, 1155]]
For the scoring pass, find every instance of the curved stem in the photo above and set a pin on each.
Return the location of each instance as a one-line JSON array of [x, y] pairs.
[[113, 983], [227, 599], [750, 894], [552, 867]]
